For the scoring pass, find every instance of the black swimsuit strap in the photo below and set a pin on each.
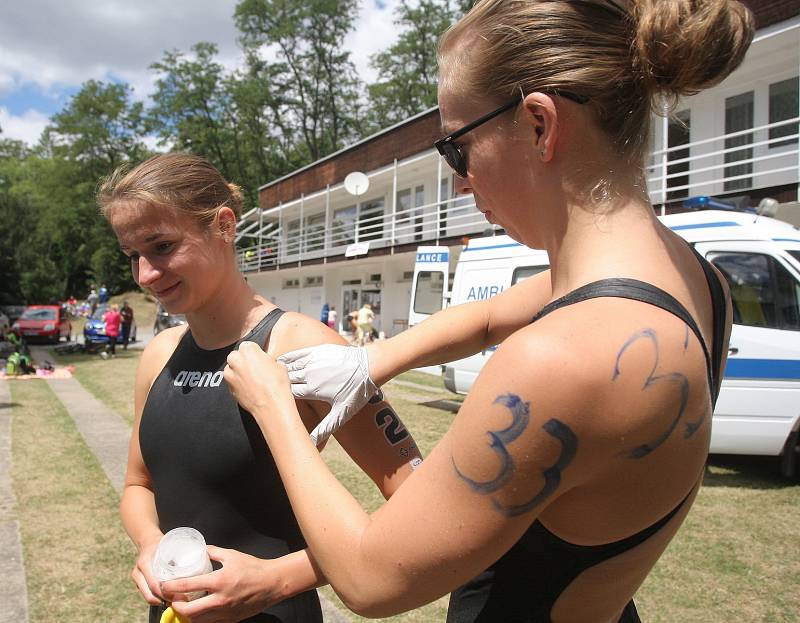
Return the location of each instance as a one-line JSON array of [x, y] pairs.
[[636, 290], [719, 304]]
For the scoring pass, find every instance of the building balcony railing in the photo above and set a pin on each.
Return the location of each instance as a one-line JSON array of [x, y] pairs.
[[420, 224], [734, 163]]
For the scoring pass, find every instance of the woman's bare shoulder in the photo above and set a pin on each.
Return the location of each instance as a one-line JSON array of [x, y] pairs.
[[294, 330], [160, 349]]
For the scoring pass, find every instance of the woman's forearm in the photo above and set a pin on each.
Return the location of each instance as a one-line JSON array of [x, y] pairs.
[[300, 573], [450, 334], [321, 503], [139, 518]]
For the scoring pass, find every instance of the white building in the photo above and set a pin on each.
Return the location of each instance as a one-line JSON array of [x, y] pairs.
[[312, 242]]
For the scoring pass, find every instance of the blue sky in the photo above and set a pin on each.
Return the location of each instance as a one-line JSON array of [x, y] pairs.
[[44, 61]]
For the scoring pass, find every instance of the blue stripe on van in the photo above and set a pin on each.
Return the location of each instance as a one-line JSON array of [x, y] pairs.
[[706, 225], [777, 369], [497, 246], [786, 239]]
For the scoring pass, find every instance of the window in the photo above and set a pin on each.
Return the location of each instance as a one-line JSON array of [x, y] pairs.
[[315, 232], [419, 201], [428, 293], [293, 237], [795, 255], [311, 282], [291, 283], [764, 293], [783, 104], [738, 117], [370, 220], [678, 133], [403, 214], [343, 227], [521, 273]]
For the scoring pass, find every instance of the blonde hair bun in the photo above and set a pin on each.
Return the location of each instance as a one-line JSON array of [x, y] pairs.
[[681, 47]]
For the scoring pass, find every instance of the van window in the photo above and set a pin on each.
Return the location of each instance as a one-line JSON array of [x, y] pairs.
[[428, 294], [795, 255], [521, 273], [764, 293]]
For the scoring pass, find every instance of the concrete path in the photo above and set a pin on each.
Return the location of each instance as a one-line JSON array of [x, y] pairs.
[[107, 435], [13, 589]]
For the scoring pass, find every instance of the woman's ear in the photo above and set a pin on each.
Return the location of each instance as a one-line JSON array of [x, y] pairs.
[[540, 112], [226, 222]]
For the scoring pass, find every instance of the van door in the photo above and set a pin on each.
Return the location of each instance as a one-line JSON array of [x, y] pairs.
[[759, 403], [430, 287]]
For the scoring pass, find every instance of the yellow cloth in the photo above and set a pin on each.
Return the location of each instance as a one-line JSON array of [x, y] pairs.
[[170, 616]]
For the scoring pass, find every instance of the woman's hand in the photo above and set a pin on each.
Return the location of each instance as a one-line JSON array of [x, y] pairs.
[[243, 587], [338, 375], [142, 575], [258, 382]]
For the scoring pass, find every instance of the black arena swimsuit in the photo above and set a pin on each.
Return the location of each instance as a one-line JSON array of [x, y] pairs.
[[212, 470], [523, 585]]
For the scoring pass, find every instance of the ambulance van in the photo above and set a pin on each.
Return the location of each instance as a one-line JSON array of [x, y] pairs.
[[758, 411]]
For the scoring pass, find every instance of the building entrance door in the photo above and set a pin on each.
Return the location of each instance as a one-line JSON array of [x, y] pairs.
[[351, 301]]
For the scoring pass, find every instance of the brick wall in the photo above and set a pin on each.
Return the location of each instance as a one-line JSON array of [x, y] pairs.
[[402, 142], [768, 12]]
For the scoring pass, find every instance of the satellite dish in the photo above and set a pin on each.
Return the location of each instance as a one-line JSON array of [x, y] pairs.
[[356, 183]]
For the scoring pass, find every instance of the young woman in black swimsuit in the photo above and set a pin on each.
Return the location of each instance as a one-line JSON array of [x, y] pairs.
[[581, 446], [196, 459]]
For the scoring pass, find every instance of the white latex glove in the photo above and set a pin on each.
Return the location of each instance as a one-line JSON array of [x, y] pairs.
[[338, 375]]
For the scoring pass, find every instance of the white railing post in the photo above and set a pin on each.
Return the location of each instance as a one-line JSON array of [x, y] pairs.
[[327, 235], [394, 205], [301, 230], [281, 245], [438, 196], [664, 161]]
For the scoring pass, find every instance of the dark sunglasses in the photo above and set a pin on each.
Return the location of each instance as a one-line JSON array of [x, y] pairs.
[[457, 159]]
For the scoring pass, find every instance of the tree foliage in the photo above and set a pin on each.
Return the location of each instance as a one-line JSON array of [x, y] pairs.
[[408, 70], [294, 99]]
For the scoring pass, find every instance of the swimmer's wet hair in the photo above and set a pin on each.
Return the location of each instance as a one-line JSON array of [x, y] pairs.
[[183, 182], [629, 57]]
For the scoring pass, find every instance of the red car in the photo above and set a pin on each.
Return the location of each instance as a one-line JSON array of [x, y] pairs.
[[43, 321]]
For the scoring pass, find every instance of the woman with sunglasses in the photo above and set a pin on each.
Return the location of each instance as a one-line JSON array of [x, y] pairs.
[[580, 449]]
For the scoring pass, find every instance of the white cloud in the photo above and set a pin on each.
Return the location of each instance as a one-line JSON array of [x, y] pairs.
[[48, 47], [375, 31], [27, 127], [51, 44]]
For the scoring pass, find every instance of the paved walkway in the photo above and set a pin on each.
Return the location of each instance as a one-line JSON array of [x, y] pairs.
[[107, 435], [13, 589]]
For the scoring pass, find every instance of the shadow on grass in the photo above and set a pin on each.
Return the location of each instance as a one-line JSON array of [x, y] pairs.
[[445, 405], [9, 405], [67, 359], [751, 472]]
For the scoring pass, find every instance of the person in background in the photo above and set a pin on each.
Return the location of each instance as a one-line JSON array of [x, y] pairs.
[[112, 320], [332, 317], [364, 324], [103, 294], [126, 311], [91, 299]]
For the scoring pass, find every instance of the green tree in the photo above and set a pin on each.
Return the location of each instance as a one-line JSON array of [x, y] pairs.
[[15, 222], [321, 95], [408, 70], [98, 130], [230, 118]]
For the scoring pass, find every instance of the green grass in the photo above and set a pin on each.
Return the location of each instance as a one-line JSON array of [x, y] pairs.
[[77, 557], [111, 381], [735, 559]]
